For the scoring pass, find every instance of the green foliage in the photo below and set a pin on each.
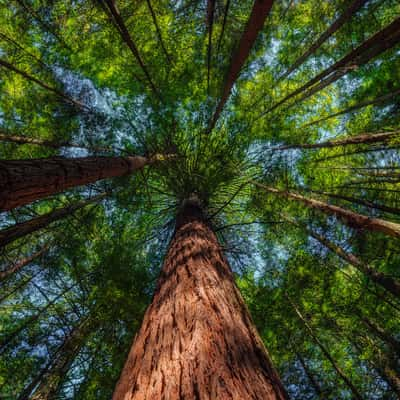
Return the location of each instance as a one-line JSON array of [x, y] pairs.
[[103, 261]]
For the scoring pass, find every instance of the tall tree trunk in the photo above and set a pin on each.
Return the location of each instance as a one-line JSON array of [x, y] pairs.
[[371, 48], [197, 340], [364, 138], [25, 228], [382, 334], [22, 263], [362, 202], [361, 104], [51, 379], [344, 17], [6, 136], [385, 281], [259, 13], [119, 23], [210, 24], [159, 34], [314, 383], [9, 66], [325, 351], [350, 218], [24, 181]]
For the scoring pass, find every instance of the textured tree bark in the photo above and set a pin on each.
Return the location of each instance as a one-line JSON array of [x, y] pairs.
[[350, 218], [24, 181], [25, 228], [197, 340]]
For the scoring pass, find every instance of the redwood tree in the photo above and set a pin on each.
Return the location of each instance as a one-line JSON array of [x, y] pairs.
[[197, 338]]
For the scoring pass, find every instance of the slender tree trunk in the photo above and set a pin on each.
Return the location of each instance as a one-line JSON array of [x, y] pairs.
[[160, 38], [357, 106], [210, 24], [6, 136], [33, 319], [126, 37], [382, 334], [24, 181], [325, 351], [365, 138], [348, 217], [362, 202], [221, 36], [259, 13], [22, 263], [7, 65], [344, 17], [25, 228], [387, 282], [314, 383], [51, 380], [197, 340], [372, 47]]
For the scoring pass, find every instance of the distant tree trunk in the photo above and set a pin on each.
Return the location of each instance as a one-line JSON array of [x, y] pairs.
[[6, 136], [310, 376], [344, 17], [362, 202], [387, 282], [32, 225], [327, 354], [366, 51], [362, 104], [119, 23], [197, 340], [365, 138], [259, 13], [25, 75], [24, 181], [22, 263], [52, 378], [383, 335], [348, 217]]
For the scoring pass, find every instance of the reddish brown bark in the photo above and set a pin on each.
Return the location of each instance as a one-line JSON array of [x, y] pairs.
[[259, 13], [348, 217], [24, 181], [197, 340]]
